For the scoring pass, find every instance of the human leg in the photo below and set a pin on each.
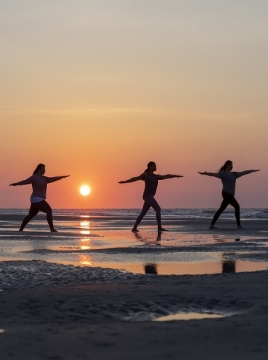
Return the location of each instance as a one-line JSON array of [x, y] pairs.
[[223, 206], [234, 203], [32, 213], [144, 211], [154, 204], [45, 207]]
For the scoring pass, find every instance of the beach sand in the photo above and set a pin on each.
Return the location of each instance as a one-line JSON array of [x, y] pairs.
[[91, 321], [54, 311]]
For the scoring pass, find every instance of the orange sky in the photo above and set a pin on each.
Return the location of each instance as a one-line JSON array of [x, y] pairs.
[[96, 91]]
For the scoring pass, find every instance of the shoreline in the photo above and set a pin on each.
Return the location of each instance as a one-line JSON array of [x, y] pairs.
[[110, 243]]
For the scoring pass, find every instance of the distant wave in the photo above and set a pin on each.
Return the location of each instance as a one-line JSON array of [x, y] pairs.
[[250, 213]]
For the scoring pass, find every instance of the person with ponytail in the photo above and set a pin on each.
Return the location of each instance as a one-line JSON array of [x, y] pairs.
[[228, 178], [39, 184], [151, 182]]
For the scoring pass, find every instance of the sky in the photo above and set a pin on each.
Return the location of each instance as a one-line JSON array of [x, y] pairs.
[[97, 89]]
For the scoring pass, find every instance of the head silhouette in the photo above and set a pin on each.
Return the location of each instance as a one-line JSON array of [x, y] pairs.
[[38, 167], [226, 165], [150, 165]]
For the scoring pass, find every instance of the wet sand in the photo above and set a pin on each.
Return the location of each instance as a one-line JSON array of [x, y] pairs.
[[115, 320], [54, 311]]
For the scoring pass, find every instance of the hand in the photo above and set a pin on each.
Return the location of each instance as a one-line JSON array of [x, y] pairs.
[[255, 170], [202, 173], [13, 184], [178, 176], [121, 182]]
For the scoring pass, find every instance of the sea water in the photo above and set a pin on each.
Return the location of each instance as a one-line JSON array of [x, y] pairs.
[[246, 213]]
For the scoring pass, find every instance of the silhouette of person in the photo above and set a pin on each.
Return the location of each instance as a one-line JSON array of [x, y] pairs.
[[151, 183], [228, 179], [39, 184]]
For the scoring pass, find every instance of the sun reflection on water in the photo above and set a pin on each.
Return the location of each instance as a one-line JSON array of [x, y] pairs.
[[85, 232], [85, 224], [85, 260]]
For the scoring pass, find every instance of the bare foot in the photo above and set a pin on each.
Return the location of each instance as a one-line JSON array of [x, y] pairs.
[[240, 227], [212, 227], [54, 230], [135, 230]]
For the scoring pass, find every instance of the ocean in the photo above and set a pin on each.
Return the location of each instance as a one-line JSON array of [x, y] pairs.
[[246, 213]]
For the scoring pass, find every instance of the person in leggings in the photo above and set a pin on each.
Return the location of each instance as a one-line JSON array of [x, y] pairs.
[[39, 184], [151, 182], [228, 178]]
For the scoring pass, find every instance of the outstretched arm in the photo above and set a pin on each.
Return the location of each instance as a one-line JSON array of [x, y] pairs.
[[168, 176], [209, 174], [246, 172], [56, 178], [23, 182], [135, 178]]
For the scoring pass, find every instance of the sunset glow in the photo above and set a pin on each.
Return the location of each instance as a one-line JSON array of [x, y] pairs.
[[122, 83]]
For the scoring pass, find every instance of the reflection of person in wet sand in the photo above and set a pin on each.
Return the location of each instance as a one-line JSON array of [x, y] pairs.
[[151, 182], [228, 179], [146, 241], [150, 269], [39, 184], [228, 266]]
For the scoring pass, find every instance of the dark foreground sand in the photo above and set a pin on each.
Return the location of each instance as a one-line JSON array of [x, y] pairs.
[[85, 322], [51, 311]]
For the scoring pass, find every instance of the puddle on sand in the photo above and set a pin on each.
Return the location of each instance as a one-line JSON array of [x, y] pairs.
[[190, 316], [181, 268]]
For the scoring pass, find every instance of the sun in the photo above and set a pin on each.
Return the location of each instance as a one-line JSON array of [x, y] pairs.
[[84, 190]]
